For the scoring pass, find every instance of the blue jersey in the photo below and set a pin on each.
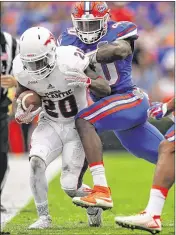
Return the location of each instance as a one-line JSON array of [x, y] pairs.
[[118, 73]]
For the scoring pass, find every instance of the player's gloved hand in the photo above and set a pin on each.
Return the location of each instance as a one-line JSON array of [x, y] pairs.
[[157, 110], [26, 116], [77, 79]]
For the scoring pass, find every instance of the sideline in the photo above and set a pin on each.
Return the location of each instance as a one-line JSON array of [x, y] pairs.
[[17, 193]]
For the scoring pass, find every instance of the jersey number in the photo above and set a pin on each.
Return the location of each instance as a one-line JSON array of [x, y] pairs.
[[79, 53], [109, 74], [67, 106]]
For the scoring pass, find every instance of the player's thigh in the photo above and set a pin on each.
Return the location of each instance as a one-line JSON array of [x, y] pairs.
[[74, 164], [117, 112], [45, 143], [142, 141]]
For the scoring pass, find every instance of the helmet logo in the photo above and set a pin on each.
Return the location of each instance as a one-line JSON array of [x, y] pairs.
[[49, 40], [101, 7]]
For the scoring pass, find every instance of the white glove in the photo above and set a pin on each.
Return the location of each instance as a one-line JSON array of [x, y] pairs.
[[27, 116], [77, 79]]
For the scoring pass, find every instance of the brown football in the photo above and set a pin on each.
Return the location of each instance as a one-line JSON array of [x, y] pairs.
[[30, 97]]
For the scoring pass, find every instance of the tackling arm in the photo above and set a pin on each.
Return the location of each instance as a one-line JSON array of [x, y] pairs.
[[98, 86], [111, 52]]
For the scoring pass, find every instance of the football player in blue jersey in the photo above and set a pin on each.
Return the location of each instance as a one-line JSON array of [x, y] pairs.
[[164, 176], [110, 46]]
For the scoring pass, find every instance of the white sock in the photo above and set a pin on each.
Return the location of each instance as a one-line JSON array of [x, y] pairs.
[[42, 208], [98, 174], [156, 202]]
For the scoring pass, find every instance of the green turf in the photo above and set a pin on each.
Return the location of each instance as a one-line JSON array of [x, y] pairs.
[[130, 180]]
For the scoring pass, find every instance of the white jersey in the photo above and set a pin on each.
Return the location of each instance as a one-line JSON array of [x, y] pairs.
[[60, 103]]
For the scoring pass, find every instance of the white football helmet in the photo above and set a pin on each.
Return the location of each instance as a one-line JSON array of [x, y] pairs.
[[38, 52]]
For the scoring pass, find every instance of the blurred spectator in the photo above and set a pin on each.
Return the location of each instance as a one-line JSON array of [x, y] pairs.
[[119, 12], [164, 87]]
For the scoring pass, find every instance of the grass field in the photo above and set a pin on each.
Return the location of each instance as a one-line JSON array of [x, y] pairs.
[[130, 180]]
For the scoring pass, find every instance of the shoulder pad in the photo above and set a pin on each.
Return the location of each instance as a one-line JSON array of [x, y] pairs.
[[68, 37], [17, 66], [18, 71], [71, 58], [124, 29]]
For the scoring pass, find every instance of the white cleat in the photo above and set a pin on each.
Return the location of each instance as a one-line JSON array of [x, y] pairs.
[[143, 221], [94, 216], [43, 222]]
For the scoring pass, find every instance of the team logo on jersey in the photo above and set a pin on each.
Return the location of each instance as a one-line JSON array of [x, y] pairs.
[[50, 86]]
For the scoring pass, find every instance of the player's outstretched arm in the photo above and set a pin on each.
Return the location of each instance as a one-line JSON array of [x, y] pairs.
[[159, 110], [111, 52]]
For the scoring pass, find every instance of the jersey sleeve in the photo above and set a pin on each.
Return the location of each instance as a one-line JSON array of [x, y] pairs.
[[67, 38], [124, 30], [72, 58]]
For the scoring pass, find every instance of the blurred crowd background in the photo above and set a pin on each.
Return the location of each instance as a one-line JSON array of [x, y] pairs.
[[153, 64], [153, 68]]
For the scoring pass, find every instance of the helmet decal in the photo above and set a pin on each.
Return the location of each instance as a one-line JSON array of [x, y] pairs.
[[51, 37], [102, 7]]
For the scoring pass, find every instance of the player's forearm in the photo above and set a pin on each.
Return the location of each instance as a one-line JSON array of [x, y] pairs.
[[100, 87], [170, 106], [109, 53]]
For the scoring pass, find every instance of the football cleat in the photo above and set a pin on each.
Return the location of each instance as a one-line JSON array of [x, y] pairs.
[[94, 216], [42, 223], [100, 196], [142, 221]]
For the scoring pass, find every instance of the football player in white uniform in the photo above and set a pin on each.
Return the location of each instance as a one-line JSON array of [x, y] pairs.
[[44, 68]]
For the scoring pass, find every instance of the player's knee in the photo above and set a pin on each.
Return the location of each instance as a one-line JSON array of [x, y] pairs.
[[80, 192], [166, 147], [37, 164], [70, 193], [69, 183]]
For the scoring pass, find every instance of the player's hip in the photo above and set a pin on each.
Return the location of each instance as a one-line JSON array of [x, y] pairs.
[[65, 129], [113, 104]]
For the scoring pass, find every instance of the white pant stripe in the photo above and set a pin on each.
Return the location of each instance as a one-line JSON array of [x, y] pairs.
[[110, 106], [87, 6]]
